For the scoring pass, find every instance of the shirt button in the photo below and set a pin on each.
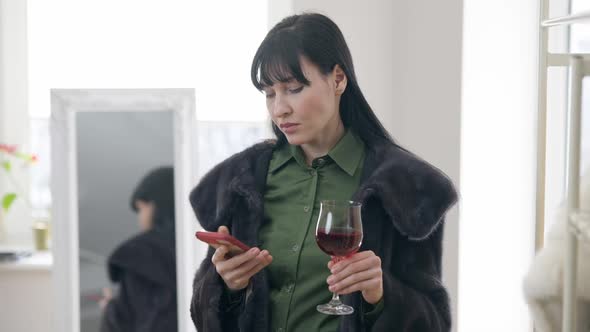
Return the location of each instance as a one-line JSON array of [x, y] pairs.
[[312, 172], [280, 329], [295, 247], [306, 208], [321, 161]]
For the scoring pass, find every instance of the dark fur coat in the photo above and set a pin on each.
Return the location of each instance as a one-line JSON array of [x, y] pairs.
[[404, 203], [144, 267]]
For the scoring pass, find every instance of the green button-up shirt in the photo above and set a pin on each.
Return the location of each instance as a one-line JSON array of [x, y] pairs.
[[292, 198]]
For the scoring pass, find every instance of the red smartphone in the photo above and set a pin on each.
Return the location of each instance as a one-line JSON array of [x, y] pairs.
[[214, 239]]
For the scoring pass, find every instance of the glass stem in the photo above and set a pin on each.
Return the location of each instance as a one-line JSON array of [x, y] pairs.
[[335, 299]]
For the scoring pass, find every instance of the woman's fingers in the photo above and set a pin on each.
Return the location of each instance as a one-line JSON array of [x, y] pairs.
[[362, 286], [107, 292], [223, 230], [229, 264], [330, 264], [219, 255], [359, 272], [333, 261], [240, 277], [107, 295], [243, 269], [258, 268], [343, 263], [244, 275], [237, 271], [356, 278], [357, 266], [242, 258]]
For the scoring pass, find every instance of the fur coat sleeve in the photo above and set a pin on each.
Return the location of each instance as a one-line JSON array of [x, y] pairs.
[[414, 296], [405, 201], [227, 195]]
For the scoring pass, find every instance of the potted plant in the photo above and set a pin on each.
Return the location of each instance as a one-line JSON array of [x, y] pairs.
[[11, 157]]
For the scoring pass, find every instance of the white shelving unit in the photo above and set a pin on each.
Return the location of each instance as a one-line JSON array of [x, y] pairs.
[[578, 225]]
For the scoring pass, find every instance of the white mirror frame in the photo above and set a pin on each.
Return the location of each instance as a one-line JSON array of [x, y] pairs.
[[65, 103]]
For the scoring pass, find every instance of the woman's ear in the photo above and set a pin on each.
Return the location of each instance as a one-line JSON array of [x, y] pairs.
[[340, 79]]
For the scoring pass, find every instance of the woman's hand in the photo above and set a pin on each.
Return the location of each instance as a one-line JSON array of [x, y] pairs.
[[359, 272], [237, 271], [107, 296]]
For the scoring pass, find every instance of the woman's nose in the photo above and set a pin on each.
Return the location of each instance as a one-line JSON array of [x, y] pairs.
[[280, 107]]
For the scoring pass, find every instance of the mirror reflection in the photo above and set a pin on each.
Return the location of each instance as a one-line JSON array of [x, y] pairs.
[[126, 221]]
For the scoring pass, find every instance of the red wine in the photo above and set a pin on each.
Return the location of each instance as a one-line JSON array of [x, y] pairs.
[[339, 242]]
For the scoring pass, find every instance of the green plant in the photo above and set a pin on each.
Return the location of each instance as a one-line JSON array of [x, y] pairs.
[[8, 156]]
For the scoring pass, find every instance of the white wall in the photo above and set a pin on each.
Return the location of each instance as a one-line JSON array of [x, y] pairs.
[[498, 161], [14, 125], [407, 57], [26, 304], [426, 103], [150, 44]]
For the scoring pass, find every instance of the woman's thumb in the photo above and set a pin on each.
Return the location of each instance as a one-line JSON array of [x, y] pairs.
[[223, 230]]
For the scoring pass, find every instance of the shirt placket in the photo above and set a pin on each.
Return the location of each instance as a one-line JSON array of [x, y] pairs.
[[308, 210]]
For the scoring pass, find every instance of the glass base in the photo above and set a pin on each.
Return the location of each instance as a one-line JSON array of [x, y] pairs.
[[335, 308]]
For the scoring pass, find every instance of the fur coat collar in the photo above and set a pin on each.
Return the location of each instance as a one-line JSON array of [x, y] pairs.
[[414, 194]]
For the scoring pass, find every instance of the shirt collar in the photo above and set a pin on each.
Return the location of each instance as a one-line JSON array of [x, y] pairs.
[[347, 154], [279, 158]]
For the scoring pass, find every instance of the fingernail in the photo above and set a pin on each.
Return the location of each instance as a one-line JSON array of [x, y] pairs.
[[332, 288], [254, 250], [330, 279]]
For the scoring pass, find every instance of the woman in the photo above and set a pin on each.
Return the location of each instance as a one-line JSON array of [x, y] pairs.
[[329, 145], [144, 266]]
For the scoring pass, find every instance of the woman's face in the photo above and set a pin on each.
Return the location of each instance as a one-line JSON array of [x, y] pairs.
[[307, 113], [145, 214]]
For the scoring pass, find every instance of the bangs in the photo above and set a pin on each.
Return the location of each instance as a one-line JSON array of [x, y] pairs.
[[278, 60]]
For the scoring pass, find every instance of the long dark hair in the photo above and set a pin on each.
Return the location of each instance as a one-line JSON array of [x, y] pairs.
[[319, 39], [157, 187]]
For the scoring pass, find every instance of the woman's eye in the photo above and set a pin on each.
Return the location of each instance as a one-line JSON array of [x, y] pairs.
[[296, 90], [269, 95]]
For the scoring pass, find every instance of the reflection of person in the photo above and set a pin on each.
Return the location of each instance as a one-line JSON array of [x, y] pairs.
[[329, 145], [144, 266]]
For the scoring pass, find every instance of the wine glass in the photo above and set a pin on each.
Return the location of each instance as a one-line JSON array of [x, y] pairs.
[[339, 233]]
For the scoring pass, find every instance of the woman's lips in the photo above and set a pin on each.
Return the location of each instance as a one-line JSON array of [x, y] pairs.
[[289, 128]]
